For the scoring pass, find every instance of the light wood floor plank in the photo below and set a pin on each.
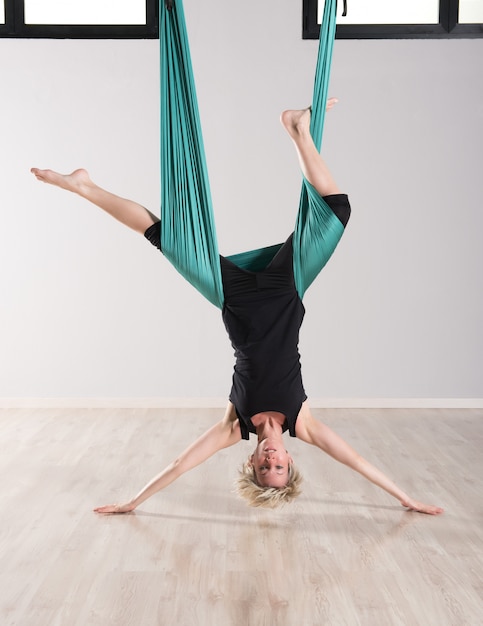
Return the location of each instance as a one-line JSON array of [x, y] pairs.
[[344, 554]]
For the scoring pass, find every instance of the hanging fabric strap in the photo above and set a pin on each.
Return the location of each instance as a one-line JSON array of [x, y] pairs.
[[317, 230], [188, 235]]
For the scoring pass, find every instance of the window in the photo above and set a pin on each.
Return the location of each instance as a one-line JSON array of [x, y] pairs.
[[399, 19], [108, 19]]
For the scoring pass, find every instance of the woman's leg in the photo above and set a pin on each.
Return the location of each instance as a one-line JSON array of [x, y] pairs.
[[185, 246], [126, 211], [297, 124], [318, 228]]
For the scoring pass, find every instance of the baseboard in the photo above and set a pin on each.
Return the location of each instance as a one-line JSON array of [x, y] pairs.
[[143, 403]]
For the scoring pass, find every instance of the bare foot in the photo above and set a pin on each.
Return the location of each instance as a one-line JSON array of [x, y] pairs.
[[72, 182], [297, 122]]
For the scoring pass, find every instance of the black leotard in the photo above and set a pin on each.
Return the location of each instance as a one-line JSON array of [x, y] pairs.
[[263, 313]]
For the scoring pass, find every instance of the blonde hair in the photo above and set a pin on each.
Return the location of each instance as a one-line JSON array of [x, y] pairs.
[[254, 494]]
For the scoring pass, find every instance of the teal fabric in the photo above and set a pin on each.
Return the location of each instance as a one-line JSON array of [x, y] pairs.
[[317, 230], [188, 234], [317, 233], [255, 260]]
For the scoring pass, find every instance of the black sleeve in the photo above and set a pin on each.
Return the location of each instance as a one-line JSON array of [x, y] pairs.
[[339, 203], [153, 234]]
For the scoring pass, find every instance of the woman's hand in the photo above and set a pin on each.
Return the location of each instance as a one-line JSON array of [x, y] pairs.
[[318, 434], [419, 507], [222, 435], [115, 508]]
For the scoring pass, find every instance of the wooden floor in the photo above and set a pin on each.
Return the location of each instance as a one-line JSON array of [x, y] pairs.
[[344, 554]]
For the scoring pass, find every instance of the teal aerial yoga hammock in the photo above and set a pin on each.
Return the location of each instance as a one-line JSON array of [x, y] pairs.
[[188, 235]]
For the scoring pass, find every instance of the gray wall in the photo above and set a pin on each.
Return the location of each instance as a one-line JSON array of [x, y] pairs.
[[91, 310]]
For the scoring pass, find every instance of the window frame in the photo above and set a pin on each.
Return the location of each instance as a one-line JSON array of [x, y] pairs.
[[448, 26], [15, 26]]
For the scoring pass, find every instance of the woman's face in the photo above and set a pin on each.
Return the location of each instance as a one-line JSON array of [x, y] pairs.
[[271, 462]]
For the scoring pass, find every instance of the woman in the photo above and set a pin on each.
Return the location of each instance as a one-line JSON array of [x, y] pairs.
[[263, 313]]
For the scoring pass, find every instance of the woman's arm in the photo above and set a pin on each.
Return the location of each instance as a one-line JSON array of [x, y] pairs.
[[318, 434], [222, 435]]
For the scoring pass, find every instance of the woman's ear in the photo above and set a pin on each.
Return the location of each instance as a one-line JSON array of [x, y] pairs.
[[250, 460]]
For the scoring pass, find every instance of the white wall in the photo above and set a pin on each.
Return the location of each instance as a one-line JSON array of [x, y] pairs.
[[90, 309]]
